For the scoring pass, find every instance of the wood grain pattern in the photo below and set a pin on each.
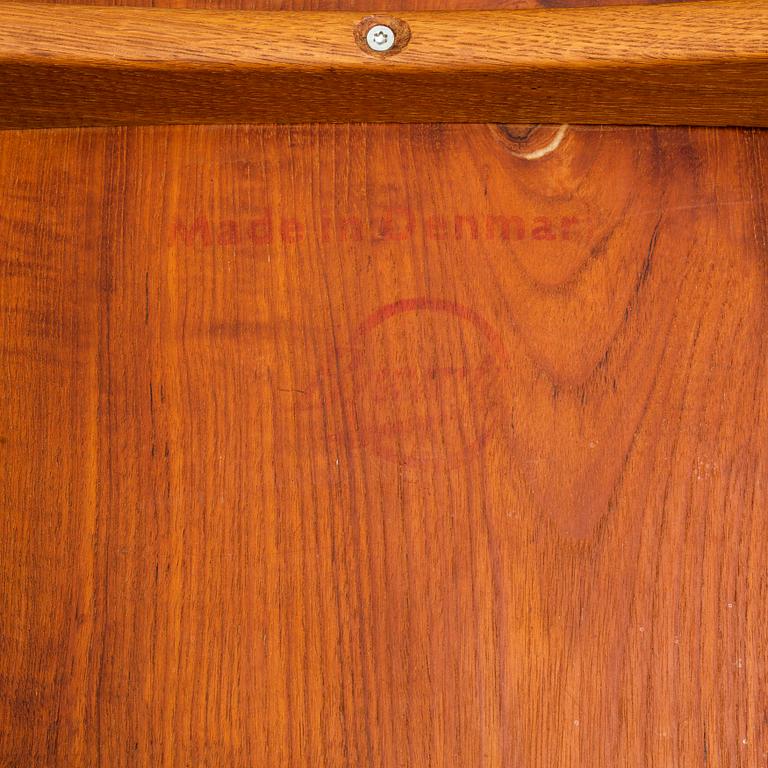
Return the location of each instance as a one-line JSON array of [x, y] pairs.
[[383, 445], [703, 63], [307, 464]]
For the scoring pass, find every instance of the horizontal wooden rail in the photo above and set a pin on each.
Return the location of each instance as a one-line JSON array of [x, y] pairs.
[[701, 63]]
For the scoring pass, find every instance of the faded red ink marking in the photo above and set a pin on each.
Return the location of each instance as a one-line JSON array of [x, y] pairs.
[[430, 392]]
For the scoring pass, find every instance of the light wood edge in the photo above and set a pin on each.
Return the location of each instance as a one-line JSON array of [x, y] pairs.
[[701, 63]]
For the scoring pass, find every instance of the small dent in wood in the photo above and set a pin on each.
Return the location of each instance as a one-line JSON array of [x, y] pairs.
[[398, 26]]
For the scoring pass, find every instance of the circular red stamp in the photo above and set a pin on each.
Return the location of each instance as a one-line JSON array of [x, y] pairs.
[[424, 384]]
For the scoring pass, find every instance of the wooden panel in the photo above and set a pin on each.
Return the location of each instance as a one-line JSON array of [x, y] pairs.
[[383, 445], [315, 456], [50, 469], [695, 63]]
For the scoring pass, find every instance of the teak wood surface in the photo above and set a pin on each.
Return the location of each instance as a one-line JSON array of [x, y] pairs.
[[424, 446], [702, 63]]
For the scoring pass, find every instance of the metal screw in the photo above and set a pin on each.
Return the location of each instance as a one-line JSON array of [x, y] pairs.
[[380, 38]]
